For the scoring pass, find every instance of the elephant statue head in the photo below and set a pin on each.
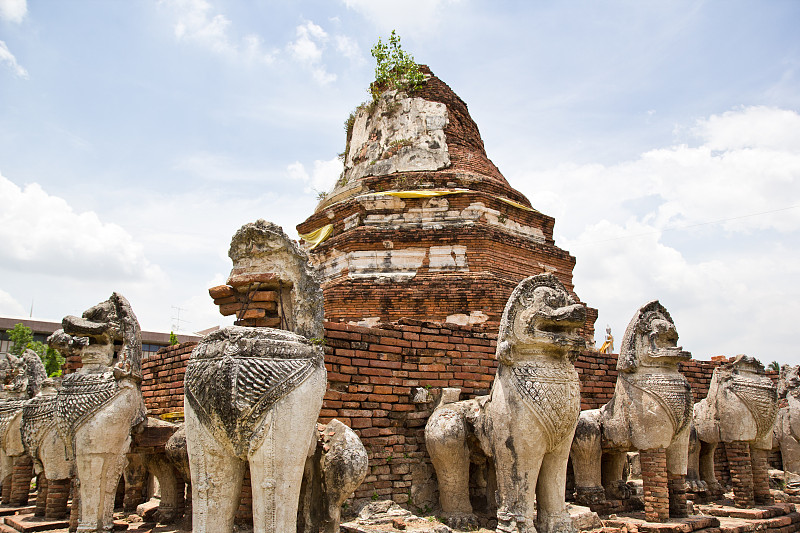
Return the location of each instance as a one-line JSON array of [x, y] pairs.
[[651, 340]]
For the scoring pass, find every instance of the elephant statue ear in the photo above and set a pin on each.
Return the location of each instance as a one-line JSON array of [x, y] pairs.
[[129, 332], [34, 371]]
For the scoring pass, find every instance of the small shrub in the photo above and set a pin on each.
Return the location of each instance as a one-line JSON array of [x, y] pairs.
[[395, 68]]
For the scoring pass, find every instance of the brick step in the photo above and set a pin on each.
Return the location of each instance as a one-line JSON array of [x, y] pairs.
[[28, 523], [675, 525], [756, 513]]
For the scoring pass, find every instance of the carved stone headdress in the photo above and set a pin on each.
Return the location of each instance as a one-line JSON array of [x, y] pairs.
[[530, 318], [652, 319], [262, 248], [111, 321]]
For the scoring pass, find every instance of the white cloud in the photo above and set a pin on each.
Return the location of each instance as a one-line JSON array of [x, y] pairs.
[[415, 15], [13, 10], [349, 48], [197, 22], [751, 127], [9, 306], [218, 167], [676, 224], [42, 233], [8, 58], [307, 50], [323, 176]]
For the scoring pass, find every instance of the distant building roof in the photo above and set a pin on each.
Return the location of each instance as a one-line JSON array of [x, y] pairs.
[[46, 328]]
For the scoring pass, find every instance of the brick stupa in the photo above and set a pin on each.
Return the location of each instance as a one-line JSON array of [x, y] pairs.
[[421, 224]]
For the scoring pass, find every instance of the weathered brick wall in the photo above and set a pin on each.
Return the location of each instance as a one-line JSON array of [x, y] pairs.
[[162, 383], [374, 375]]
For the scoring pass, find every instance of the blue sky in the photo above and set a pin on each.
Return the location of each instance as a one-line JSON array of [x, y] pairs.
[[664, 137]]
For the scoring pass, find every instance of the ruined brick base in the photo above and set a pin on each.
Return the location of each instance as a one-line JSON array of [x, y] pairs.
[[57, 497], [6, 494], [21, 480], [76, 501], [41, 495], [677, 495], [760, 469], [656, 491], [741, 473], [244, 514]]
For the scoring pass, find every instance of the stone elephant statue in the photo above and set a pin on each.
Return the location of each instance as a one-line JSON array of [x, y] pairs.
[[23, 377], [527, 423], [48, 450], [787, 423], [740, 411], [252, 395], [98, 405], [336, 465], [650, 412]]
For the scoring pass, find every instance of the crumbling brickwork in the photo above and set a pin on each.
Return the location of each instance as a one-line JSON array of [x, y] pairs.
[[446, 245], [384, 383], [162, 386]]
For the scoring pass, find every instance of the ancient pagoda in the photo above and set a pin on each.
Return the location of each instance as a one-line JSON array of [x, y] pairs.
[[421, 223]]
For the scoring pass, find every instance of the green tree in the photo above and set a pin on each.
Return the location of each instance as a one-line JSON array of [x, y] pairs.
[[774, 366], [173, 339], [22, 338], [394, 68], [50, 357]]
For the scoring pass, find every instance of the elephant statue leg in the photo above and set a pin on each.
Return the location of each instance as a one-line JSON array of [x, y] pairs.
[[276, 467], [216, 478], [586, 453], [171, 485], [707, 474], [760, 468], [446, 440], [738, 453], [613, 468], [518, 448], [6, 475], [677, 465], [551, 512], [135, 476]]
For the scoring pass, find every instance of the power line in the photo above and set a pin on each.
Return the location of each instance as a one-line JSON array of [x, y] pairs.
[[176, 320], [673, 228]]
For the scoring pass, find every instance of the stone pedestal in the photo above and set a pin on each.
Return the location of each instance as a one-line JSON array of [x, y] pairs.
[[656, 491], [740, 464]]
